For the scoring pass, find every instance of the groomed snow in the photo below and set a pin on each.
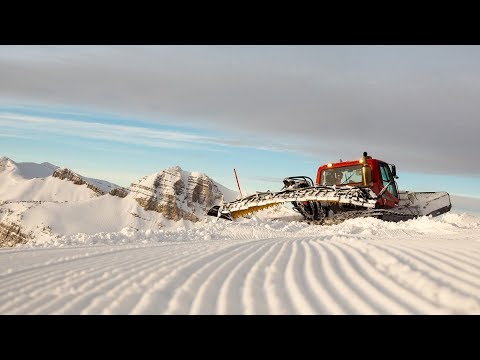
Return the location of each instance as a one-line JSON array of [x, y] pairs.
[[267, 264], [106, 255]]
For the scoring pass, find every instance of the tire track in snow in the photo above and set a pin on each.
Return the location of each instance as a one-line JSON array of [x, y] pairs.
[[17, 275], [414, 272], [370, 295], [281, 273], [338, 273], [125, 294], [178, 288], [312, 293], [37, 276], [331, 281], [161, 284], [74, 287], [295, 282], [452, 274], [460, 262], [231, 299], [397, 265], [277, 296], [316, 281], [218, 295], [124, 299], [400, 300], [83, 279], [35, 283], [254, 298], [467, 258], [128, 280]]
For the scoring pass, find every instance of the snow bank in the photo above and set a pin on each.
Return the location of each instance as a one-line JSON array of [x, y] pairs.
[[255, 227]]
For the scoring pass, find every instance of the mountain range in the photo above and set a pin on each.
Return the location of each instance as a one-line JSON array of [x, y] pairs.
[[42, 201]]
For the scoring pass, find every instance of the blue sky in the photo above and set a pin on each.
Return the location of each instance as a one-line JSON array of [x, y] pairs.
[[122, 112], [123, 150]]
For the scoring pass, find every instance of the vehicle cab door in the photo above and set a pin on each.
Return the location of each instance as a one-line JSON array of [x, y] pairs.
[[390, 196]]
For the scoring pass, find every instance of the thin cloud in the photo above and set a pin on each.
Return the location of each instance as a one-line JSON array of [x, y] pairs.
[[117, 133], [414, 105], [16, 136]]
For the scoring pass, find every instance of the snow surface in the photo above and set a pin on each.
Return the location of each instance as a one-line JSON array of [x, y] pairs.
[[106, 255], [102, 185], [263, 265]]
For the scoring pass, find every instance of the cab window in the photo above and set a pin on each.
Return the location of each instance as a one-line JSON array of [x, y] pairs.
[[386, 175], [347, 175]]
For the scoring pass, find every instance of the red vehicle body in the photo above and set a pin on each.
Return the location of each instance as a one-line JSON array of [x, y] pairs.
[[366, 172]]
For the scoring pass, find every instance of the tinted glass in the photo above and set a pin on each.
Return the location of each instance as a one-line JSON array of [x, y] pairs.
[[348, 175], [386, 175]]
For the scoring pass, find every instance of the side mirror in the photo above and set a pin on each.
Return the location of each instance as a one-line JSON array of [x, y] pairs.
[[394, 172]]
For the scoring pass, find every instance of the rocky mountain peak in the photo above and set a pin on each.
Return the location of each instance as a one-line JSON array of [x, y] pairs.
[[6, 163], [100, 187], [177, 193], [67, 174]]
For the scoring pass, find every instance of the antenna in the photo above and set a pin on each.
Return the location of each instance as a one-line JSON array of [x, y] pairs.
[[238, 184]]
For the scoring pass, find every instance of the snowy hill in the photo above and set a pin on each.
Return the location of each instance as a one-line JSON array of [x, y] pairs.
[[39, 209], [44, 182], [26, 170]]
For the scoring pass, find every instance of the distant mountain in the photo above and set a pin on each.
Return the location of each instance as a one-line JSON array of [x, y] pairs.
[[26, 170], [41, 202], [178, 194], [46, 182]]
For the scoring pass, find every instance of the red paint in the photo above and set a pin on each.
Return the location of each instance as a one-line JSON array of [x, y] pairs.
[[236, 178], [388, 200]]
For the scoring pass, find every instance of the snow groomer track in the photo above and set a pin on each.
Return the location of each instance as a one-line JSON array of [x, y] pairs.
[[255, 266]]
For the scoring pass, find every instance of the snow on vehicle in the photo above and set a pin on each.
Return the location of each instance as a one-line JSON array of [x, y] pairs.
[[343, 190]]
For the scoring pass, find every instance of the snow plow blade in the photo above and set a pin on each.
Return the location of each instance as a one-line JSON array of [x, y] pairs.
[[346, 195], [424, 203], [411, 204]]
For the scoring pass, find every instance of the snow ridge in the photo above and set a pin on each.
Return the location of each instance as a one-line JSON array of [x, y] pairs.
[[26, 170], [255, 266]]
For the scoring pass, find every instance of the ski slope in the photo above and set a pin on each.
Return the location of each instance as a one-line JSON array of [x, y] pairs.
[[264, 265]]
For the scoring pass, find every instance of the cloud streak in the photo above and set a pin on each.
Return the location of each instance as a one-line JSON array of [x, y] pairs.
[[18, 124], [416, 106]]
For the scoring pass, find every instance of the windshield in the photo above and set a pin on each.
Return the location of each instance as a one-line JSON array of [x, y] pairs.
[[348, 175]]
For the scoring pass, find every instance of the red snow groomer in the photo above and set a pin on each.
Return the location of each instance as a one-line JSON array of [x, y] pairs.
[[359, 188]]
